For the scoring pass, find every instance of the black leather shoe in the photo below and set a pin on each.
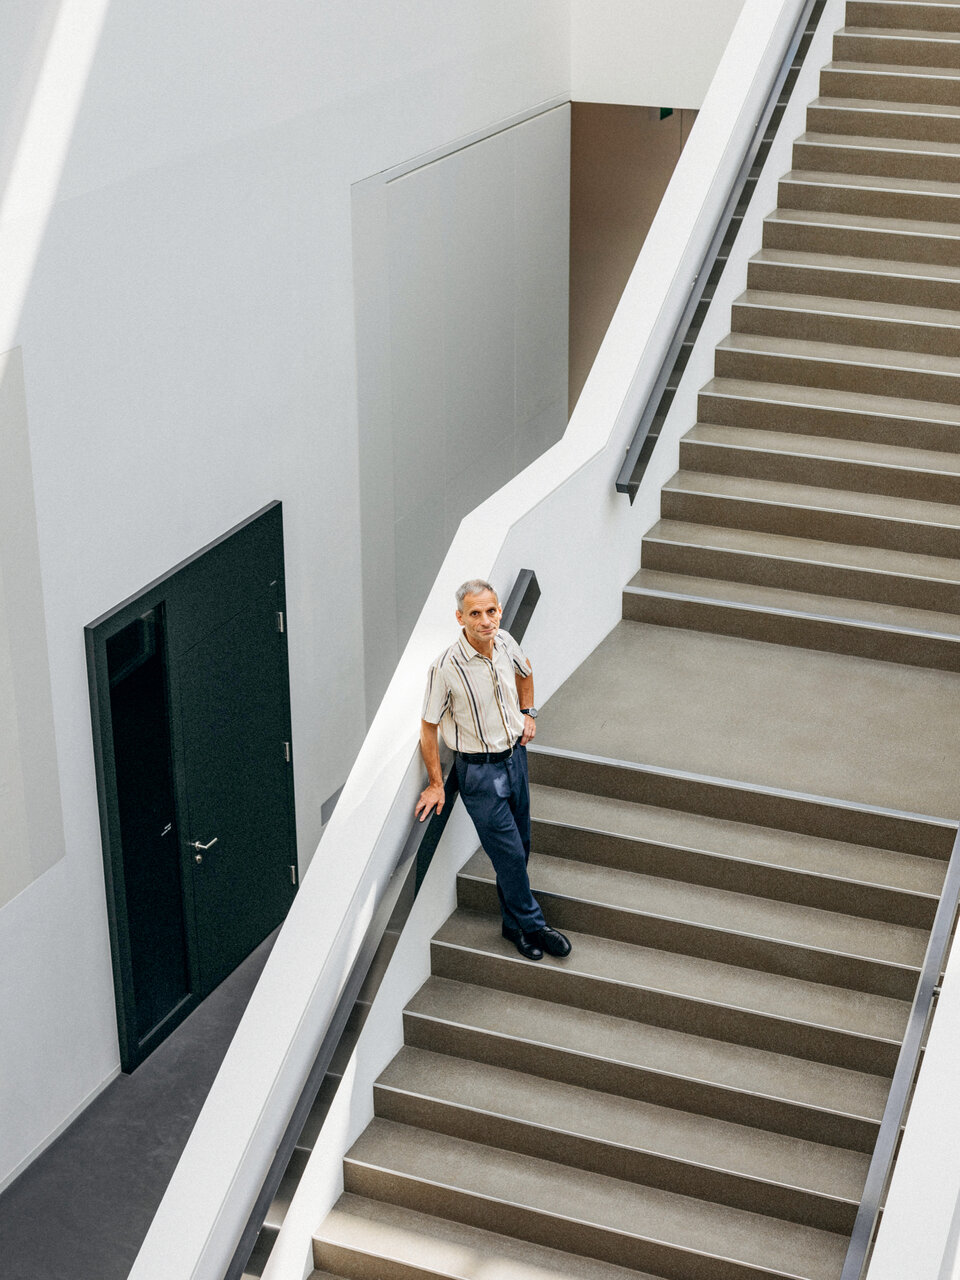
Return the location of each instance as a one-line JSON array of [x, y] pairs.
[[524, 942], [550, 940]]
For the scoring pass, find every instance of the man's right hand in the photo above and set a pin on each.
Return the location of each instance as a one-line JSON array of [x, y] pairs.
[[430, 797]]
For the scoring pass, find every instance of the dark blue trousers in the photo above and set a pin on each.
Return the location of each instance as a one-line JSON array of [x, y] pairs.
[[497, 798]]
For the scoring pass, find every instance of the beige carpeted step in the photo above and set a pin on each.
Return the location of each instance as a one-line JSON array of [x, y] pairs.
[[823, 275], [924, 200], [905, 45], [863, 236], [866, 117], [587, 1213], [880, 156], [717, 1161], [930, 15], [893, 82], [851, 322]]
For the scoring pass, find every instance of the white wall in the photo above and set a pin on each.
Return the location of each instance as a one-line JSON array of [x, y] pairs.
[[648, 52], [462, 284], [187, 337]]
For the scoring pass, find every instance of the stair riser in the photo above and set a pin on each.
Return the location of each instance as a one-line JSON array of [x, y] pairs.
[[695, 866], [646, 1167], [693, 939], [863, 286], [855, 122], [646, 1085], [544, 1228], [810, 420], [860, 242], [811, 371], [787, 813], [858, 331], [879, 162], [907, 17], [663, 1009], [893, 50], [891, 86], [345, 1263], [805, 633], [848, 528], [801, 575], [874, 202], [820, 472]]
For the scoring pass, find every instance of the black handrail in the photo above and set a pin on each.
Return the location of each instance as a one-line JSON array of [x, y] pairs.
[[905, 1075], [418, 850], [713, 261]]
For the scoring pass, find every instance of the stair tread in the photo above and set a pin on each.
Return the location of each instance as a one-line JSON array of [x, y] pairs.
[[629, 1123], [874, 559], [742, 840], [884, 107], [869, 142], [839, 608], [452, 1250], [855, 65], [840, 221], [838, 353], [893, 456], [873, 182], [817, 1085], [864, 266], [878, 505], [898, 409], [578, 1196], [851, 308], [782, 922], [903, 33], [692, 978]]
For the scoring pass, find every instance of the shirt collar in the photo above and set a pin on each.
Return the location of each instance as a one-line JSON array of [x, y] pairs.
[[469, 652]]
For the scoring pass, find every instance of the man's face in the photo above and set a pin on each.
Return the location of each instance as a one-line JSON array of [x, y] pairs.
[[480, 617]]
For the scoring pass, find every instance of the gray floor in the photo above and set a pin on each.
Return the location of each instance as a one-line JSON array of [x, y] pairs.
[[81, 1210]]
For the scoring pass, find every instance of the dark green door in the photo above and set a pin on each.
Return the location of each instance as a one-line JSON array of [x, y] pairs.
[[235, 771]]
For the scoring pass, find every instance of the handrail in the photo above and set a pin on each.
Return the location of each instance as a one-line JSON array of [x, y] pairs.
[[628, 481], [419, 847], [904, 1077]]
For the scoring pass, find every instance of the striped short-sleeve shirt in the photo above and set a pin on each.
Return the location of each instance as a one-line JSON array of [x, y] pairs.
[[473, 698]]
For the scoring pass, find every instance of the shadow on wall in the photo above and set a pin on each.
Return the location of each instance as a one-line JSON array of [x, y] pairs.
[[621, 159]]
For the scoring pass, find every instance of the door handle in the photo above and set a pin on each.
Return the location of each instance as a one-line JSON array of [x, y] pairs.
[[202, 848]]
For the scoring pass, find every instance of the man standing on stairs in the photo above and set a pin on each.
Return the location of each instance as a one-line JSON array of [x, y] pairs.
[[475, 692]]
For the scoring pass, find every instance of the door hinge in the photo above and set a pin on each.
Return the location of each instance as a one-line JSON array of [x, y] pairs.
[[280, 622], [293, 874], [286, 752]]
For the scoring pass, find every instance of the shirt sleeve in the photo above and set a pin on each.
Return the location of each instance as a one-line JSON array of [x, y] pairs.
[[516, 654], [436, 699]]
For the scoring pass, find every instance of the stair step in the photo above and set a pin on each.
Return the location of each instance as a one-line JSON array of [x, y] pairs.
[[798, 510], [714, 1160], [904, 374], [372, 1240], [848, 321], [884, 197], [898, 45], [715, 924], [931, 15], [823, 275], [729, 854], [584, 1212], [856, 465], [885, 633], [870, 117], [866, 573], [880, 156], [686, 993], [847, 415], [863, 236], [890, 82]]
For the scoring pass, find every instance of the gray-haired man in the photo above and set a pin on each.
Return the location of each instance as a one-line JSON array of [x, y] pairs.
[[475, 692]]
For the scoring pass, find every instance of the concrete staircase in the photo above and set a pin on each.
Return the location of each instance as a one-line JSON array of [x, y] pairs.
[[745, 798]]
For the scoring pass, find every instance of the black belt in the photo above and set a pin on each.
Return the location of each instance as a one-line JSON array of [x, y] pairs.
[[487, 757]]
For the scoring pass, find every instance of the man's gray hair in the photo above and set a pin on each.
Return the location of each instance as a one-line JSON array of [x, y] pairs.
[[472, 587]]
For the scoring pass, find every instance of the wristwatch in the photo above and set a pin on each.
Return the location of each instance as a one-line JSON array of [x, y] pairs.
[[529, 711]]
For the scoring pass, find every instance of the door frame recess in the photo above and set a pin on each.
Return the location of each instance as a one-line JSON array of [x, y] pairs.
[[134, 1048]]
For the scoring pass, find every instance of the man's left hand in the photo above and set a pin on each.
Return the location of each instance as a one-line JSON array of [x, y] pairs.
[[529, 730]]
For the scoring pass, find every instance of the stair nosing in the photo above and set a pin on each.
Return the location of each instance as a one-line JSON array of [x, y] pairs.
[[777, 438], [849, 308]]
